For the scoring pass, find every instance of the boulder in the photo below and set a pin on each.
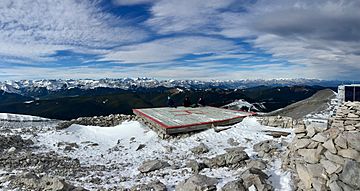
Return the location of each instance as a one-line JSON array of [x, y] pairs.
[[320, 137], [197, 183], [341, 141], [152, 165], [334, 158], [232, 158], [316, 170], [310, 131], [304, 175], [349, 153], [334, 186], [310, 155], [353, 139], [153, 186], [351, 174], [195, 166], [236, 185], [232, 142], [329, 145], [329, 166], [255, 177], [301, 143], [202, 148]]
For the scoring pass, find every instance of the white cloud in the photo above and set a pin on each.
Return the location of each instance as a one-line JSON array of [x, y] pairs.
[[35, 28], [168, 49], [132, 2]]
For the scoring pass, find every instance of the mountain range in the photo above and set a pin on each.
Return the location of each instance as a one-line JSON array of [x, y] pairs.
[[38, 88]]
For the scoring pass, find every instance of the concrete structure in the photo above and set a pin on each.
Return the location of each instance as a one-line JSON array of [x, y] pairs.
[[179, 120], [349, 93]]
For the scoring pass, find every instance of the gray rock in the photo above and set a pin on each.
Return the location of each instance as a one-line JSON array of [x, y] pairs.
[[320, 137], [11, 150], [316, 170], [255, 177], [236, 185], [232, 142], [195, 166], [202, 148], [153, 186], [232, 158], [304, 175], [353, 139], [334, 186], [310, 155], [334, 158], [319, 184], [260, 164], [301, 143], [349, 153], [329, 145], [152, 165], [310, 131], [341, 141], [329, 166], [351, 174], [197, 183]]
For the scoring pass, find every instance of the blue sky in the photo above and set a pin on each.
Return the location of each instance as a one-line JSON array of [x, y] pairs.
[[187, 39]]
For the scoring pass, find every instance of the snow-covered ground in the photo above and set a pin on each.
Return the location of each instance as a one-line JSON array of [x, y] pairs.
[[117, 146], [17, 117]]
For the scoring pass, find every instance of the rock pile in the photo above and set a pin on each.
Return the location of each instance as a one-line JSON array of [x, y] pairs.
[[41, 162], [14, 142], [30, 181], [328, 158], [102, 121], [278, 121]]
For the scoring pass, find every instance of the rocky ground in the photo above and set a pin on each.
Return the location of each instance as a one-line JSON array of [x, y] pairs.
[[52, 155]]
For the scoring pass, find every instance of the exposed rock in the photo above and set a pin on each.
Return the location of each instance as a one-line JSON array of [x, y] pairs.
[[236, 185], [353, 139], [255, 177], [260, 164], [11, 150], [304, 175], [232, 142], [152, 165], [197, 183], [153, 186], [349, 153], [195, 166], [334, 158], [330, 167], [234, 157], [16, 141], [310, 131], [319, 184], [341, 141], [334, 186], [202, 148], [351, 174], [329, 145], [301, 143], [316, 170], [320, 137], [311, 155], [141, 146], [30, 181]]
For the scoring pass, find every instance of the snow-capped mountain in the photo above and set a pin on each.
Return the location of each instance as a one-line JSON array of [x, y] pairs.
[[22, 86]]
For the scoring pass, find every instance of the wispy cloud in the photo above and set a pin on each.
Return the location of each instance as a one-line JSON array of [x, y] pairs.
[[181, 39], [34, 29]]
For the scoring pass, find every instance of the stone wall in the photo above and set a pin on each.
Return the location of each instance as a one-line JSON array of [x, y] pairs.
[[278, 121], [328, 157]]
